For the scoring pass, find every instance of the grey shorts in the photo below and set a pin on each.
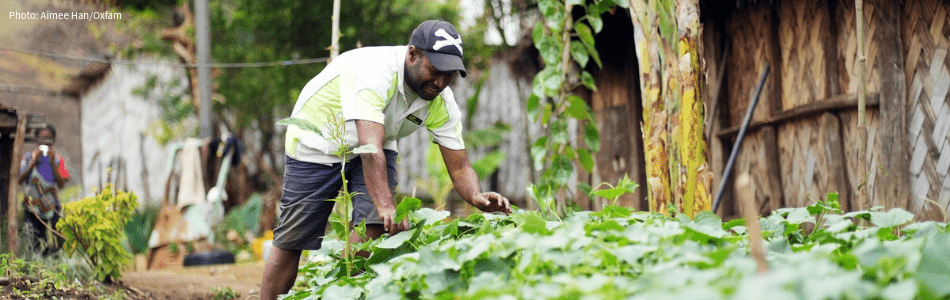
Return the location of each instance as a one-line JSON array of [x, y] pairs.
[[305, 205]]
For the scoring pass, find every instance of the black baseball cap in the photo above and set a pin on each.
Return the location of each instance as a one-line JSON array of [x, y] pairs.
[[442, 44]]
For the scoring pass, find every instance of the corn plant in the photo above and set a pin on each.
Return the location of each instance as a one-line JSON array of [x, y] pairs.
[[335, 131]]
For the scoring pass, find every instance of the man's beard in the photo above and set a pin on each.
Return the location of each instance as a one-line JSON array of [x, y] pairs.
[[412, 73]]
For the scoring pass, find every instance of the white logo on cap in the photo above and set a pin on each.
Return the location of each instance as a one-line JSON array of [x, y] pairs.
[[448, 40]]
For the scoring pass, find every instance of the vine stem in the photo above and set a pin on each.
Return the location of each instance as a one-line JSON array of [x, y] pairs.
[[346, 220]]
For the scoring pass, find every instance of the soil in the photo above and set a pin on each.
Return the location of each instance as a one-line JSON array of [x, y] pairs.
[[195, 283]]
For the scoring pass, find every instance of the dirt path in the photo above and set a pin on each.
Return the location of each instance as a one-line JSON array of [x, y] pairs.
[[198, 282]]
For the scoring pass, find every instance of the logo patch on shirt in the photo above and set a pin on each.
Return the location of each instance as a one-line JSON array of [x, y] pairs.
[[414, 119]]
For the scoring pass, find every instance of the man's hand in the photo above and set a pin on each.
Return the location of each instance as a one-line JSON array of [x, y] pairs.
[[52, 154], [388, 215], [35, 154], [492, 202]]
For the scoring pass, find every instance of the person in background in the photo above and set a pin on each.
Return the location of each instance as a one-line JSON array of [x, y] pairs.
[[42, 174]]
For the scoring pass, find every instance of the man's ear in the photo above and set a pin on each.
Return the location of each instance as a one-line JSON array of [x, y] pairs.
[[412, 55]]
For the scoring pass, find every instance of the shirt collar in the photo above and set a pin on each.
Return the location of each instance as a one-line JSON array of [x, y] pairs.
[[401, 59]]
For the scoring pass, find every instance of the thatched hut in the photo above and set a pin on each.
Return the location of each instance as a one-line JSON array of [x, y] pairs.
[[802, 142]]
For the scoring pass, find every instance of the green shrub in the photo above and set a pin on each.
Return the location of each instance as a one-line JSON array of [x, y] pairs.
[[94, 226], [139, 228], [224, 293]]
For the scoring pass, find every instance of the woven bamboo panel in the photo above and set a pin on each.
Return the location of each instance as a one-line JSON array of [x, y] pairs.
[[925, 31], [812, 160], [752, 160], [847, 64], [849, 125], [803, 32], [848, 48], [751, 49]]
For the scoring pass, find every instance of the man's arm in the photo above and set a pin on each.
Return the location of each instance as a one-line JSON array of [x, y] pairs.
[[54, 162], [466, 183], [374, 173], [24, 175]]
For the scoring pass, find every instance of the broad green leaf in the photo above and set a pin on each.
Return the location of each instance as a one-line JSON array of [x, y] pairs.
[[430, 216], [553, 13], [583, 187], [487, 165], [585, 35], [571, 3], [537, 88], [537, 34], [591, 136], [933, 272], [587, 39], [341, 292], [631, 254], [300, 123], [622, 3], [588, 81], [365, 149], [546, 114], [895, 217], [550, 50], [595, 21], [610, 193], [707, 218], [562, 168], [559, 134], [799, 216], [395, 241], [539, 150], [578, 108], [553, 81], [607, 225], [586, 160], [579, 53], [532, 222], [406, 206], [532, 105]]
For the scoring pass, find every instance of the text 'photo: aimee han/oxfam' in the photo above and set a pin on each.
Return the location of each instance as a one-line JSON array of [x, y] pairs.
[[76, 15]]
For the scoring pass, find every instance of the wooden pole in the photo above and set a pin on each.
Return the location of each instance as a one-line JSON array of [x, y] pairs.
[[13, 183], [335, 40], [203, 36], [751, 215], [862, 99]]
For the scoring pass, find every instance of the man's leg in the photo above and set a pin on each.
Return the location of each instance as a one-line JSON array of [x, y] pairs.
[[280, 272]]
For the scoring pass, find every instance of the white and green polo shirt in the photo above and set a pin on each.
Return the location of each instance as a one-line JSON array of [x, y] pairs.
[[367, 84]]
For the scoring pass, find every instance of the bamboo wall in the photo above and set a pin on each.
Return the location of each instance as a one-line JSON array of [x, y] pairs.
[[925, 30], [806, 121]]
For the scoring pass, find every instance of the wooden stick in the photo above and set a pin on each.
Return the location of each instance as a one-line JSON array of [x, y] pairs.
[[862, 126], [13, 183], [751, 215]]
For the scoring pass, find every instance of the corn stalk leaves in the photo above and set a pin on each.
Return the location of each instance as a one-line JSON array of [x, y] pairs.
[[365, 149], [300, 123]]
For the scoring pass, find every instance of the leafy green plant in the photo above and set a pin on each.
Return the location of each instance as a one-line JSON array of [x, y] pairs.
[[552, 103], [619, 254], [94, 226], [224, 293], [139, 228], [335, 131]]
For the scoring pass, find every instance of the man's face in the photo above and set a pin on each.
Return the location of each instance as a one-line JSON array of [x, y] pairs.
[[45, 137], [423, 78]]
